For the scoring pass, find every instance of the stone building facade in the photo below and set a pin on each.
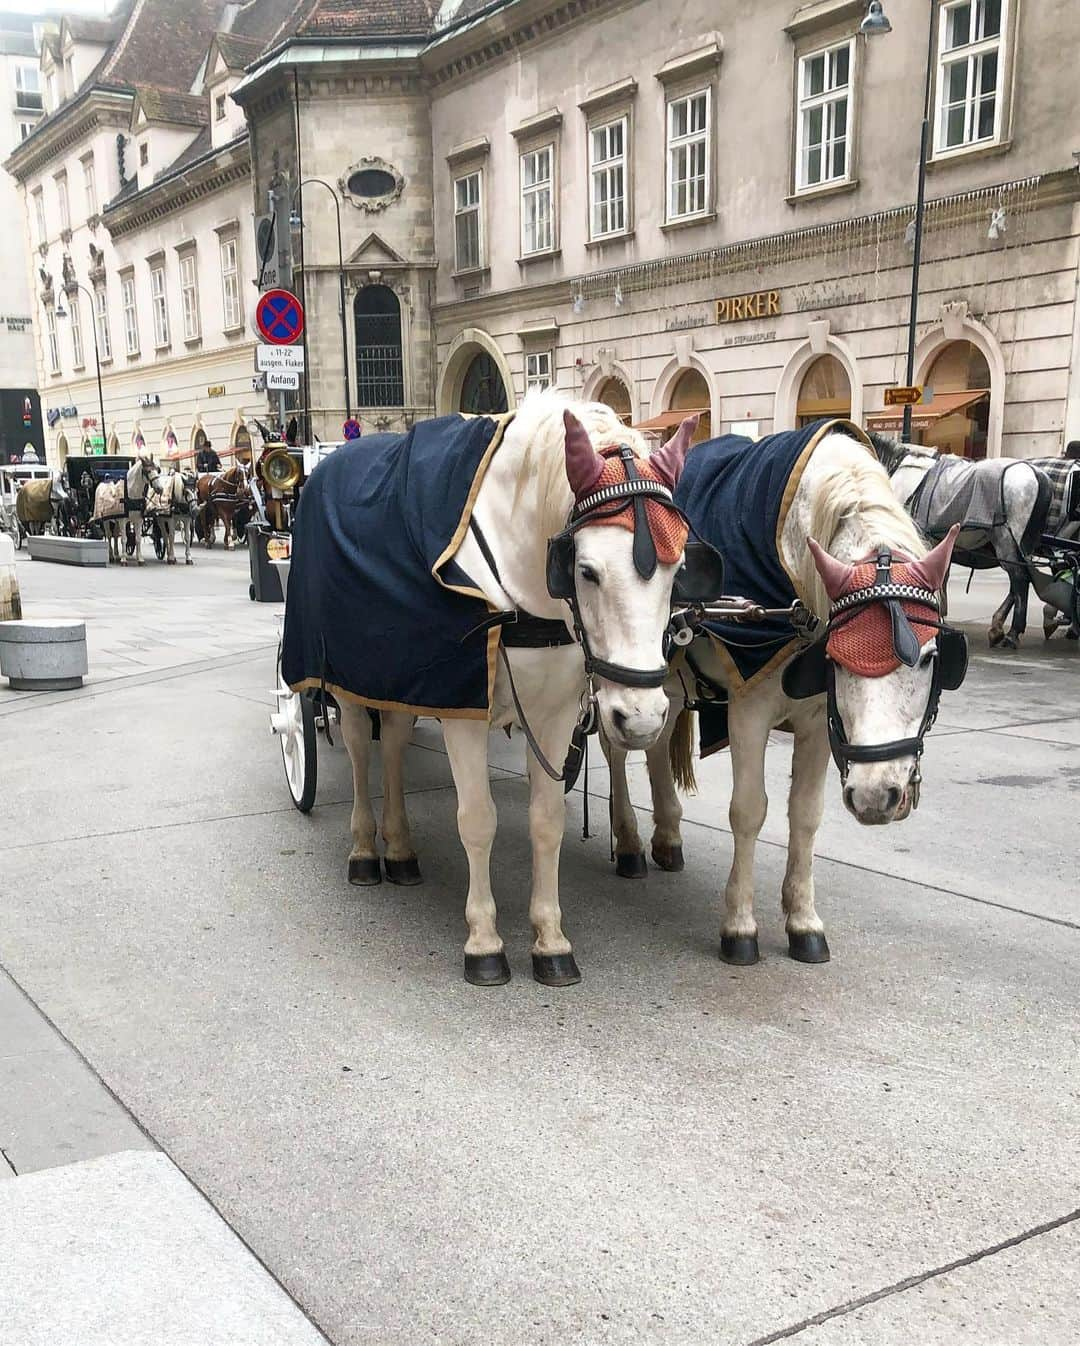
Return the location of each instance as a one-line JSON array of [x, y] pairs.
[[701, 208]]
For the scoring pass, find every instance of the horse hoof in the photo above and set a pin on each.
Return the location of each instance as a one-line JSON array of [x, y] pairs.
[[1010, 643], [486, 969], [189, 562], [1048, 631], [405, 872], [364, 871], [809, 946], [171, 561], [739, 950], [631, 866], [555, 969], [668, 858], [994, 638]]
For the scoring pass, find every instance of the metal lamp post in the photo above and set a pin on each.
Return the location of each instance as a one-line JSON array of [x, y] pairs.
[[873, 25], [299, 222], [69, 290]]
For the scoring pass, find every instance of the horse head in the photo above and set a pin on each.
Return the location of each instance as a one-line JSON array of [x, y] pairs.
[[618, 560]]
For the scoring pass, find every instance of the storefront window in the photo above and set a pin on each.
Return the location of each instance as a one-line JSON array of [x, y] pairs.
[[613, 393], [691, 393], [960, 368], [825, 391]]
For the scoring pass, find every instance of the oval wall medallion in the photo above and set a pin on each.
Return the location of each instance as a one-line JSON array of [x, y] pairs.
[[371, 185]]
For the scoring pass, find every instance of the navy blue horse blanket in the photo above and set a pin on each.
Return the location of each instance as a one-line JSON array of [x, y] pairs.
[[377, 609], [736, 492]]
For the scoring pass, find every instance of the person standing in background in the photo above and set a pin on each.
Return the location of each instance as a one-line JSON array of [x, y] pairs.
[[206, 460]]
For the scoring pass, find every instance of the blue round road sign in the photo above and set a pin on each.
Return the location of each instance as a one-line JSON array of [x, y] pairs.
[[351, 428], [279, 317]]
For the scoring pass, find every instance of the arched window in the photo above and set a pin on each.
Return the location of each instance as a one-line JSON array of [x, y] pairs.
[[691, 393], [241, 444], [62, 449], [825, 391], [114, 443], [960, 381], [380, 371], [615, 394], [482, 391]]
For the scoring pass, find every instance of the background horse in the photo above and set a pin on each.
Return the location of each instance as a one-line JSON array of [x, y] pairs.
[[843, 498], [221, 495], [546, 460], [1021, 498], [116, 510], [1062, 521], [39, 504], [172, 504]]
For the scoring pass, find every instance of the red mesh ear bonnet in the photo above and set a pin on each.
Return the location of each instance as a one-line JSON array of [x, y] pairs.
[[668, 527], [863, 643]]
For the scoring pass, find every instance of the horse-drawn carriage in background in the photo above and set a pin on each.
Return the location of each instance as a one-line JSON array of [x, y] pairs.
[[13, 476]]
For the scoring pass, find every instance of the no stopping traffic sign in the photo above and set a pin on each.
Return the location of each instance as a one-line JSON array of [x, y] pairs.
[[279, 317]]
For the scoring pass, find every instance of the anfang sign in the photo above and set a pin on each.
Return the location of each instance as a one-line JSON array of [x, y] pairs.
[[742, 307], [282, 380]]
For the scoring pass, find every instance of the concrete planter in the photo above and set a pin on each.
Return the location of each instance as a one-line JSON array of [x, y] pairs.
[[69, 551], [43, 656]]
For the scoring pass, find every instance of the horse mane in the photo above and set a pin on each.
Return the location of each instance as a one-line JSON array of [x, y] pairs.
[[539, 421], [855, 491]]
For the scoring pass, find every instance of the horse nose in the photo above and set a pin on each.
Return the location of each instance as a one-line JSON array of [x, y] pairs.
[[873, 803], [620, 719], [635, 719]]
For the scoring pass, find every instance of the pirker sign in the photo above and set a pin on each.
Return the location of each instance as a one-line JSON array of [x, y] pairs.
[[741, 307]]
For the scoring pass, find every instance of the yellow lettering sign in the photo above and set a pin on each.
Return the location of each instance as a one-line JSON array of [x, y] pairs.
[[740, 307]]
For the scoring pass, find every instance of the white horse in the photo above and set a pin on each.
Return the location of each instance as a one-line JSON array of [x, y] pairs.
[[546, 461], [844, 499], [172, 501], [114, 514]]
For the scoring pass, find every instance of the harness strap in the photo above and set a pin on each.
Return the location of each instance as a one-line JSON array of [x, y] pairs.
[[575, 753]]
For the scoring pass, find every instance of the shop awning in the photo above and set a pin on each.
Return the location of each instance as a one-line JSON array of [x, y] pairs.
[[667, 420], [925, 416]]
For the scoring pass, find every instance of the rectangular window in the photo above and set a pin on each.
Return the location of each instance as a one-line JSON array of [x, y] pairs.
[[39, 214], [131, 315], [62, 200], [144, 153], [24, 130], [537, 201], [538, 371], [607, 178], [824, 125], [230, 283], [50, 84], [189, 295], [75, 318], [90, 187], [54, 341], [27, 88], [467, 232], [219, 108], [688, 153], [101, 323], [160, 305], [970, 68]]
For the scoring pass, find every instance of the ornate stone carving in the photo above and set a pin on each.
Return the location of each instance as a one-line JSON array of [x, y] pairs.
[[362, 178], [953, 316]]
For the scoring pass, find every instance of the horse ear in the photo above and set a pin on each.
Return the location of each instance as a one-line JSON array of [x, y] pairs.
[[583, 464], [668, 460], [835, 575], [934, 566]]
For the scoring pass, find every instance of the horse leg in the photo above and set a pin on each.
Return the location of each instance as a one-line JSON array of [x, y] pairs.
[[169, 524], [401, 863], [748, 727], [226, 528], [629, 852], [188, 526], [364, 867], [137, 525], [552, 957], [210, 526], [467, 747], [120, 533], [806, 803], [667, 851]]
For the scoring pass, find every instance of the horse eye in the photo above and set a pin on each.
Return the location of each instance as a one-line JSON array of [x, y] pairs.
[[588, 574]]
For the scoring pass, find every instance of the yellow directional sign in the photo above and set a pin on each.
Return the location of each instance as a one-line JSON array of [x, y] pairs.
[[903, 397]]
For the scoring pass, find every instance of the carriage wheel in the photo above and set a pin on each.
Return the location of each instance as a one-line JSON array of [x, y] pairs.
[[159, 541], [129, 539], [294, 724]]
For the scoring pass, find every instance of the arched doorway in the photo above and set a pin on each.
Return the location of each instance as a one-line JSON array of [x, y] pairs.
[[825, 391], [62, 449], [380, 368], [615, 394], [482, 390], [691, 393], [241, 444], [960, 380]]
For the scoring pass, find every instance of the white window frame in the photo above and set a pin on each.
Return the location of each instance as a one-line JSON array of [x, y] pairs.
[[189, 295], [39, 214], [78, 357], [603, 173], [539, 371], [971, 54], [159, 305], [90, 186], [229, 251], [27, 82], [687, 141], [101, 322], [537, 191], [63, 201], [53, 339], [462, 211], [827, 101], [25, 128], [221, 107], [129, 300]]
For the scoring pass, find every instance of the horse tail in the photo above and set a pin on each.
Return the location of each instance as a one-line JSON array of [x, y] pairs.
[[681, 752]]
